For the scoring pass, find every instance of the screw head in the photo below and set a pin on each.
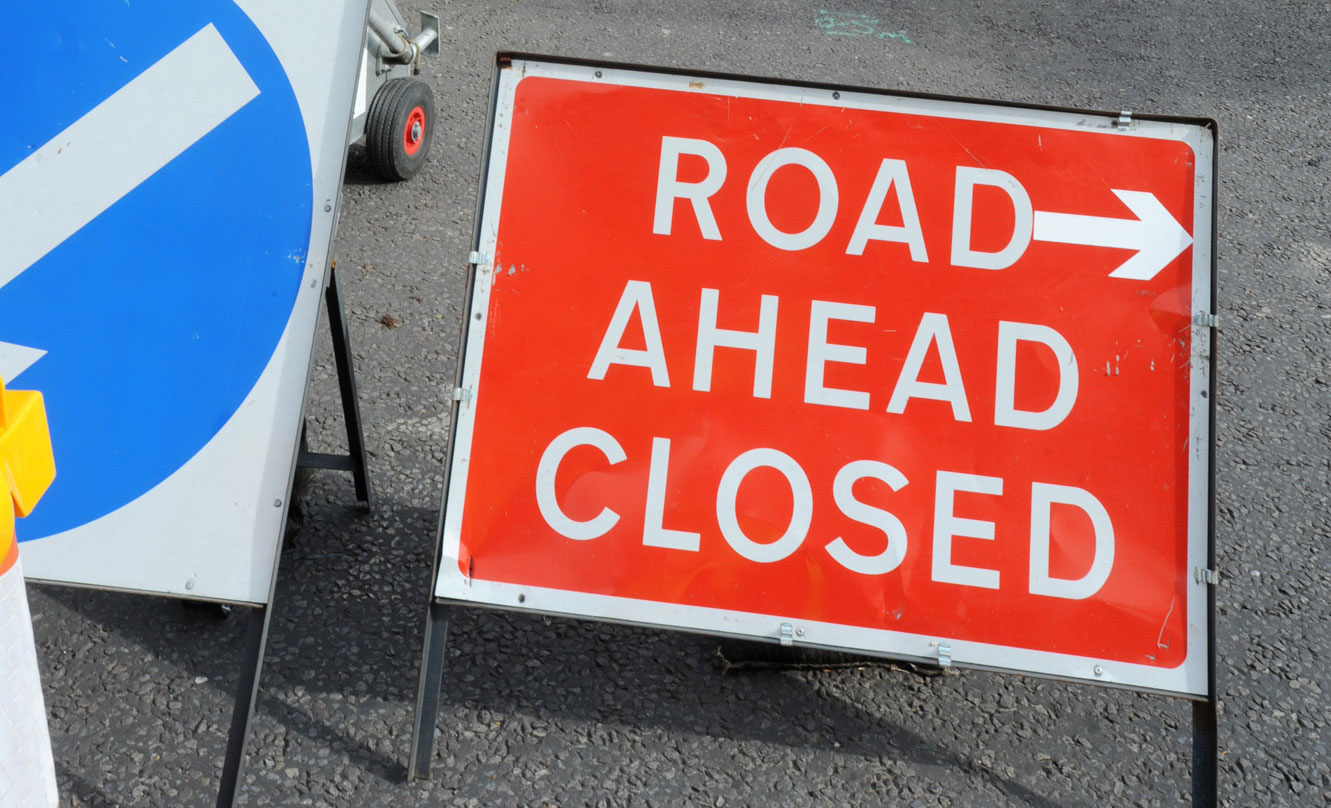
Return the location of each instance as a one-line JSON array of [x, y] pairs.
[[1099, 671]]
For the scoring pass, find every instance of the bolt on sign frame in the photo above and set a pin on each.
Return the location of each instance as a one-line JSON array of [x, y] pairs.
[[921, 377]]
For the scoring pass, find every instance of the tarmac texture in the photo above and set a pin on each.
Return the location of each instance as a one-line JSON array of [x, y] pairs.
[[539, 711]]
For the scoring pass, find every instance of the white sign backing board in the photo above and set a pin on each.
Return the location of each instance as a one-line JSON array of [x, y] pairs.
[[920, 377], [169, 195]]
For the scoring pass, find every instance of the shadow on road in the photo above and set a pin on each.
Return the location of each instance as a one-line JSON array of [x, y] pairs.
[[348, 621]]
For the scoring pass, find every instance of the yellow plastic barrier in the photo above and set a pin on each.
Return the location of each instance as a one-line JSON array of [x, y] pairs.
[[26, 463], [27, 771]]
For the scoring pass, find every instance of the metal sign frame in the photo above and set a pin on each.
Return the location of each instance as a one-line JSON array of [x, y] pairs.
[[451, 587]]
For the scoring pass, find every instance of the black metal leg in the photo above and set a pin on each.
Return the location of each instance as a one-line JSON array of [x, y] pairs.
[[1205, 755], [247, 691], [346, 380], [427, 691]]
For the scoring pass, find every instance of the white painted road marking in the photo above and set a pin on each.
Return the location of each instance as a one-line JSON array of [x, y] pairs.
[[58, 189]]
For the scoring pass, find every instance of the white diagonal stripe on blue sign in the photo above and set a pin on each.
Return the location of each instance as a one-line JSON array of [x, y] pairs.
[[121, 142]]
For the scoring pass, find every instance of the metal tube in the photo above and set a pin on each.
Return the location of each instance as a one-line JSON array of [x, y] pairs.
[[346, 382], [424, 39], [387, 30], [247, 691], [427, 690], [383, 46]]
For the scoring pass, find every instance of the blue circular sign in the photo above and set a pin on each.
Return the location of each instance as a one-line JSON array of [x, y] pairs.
[[157, 316]]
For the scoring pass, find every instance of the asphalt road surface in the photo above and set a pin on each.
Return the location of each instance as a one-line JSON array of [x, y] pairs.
[[540, 711]]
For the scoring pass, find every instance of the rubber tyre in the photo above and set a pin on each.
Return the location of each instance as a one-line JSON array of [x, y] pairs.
[[398, 106]]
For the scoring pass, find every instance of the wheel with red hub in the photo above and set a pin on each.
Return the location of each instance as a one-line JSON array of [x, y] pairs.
[[398, 128]]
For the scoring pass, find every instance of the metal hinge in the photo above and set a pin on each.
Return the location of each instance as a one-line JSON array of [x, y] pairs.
[[787, 634], [476, 258], [462, 394], [944, 655], [1124, 119], [1205, 576], [1206, 320]]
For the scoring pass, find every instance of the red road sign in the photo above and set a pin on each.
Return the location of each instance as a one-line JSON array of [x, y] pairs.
[[916, 377]]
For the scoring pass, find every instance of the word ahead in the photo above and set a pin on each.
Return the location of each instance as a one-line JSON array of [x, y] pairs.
[[917, 378]]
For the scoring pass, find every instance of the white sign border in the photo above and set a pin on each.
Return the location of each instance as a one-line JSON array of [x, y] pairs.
[[1190, 679], [225, 545]]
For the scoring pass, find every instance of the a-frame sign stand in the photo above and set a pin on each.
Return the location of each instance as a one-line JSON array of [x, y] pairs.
[[354, 460], [452, 582], [257, 618]]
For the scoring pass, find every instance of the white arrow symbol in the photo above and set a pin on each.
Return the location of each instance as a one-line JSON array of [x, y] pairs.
[[14, 359], [58, 189], [1156, 235]]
